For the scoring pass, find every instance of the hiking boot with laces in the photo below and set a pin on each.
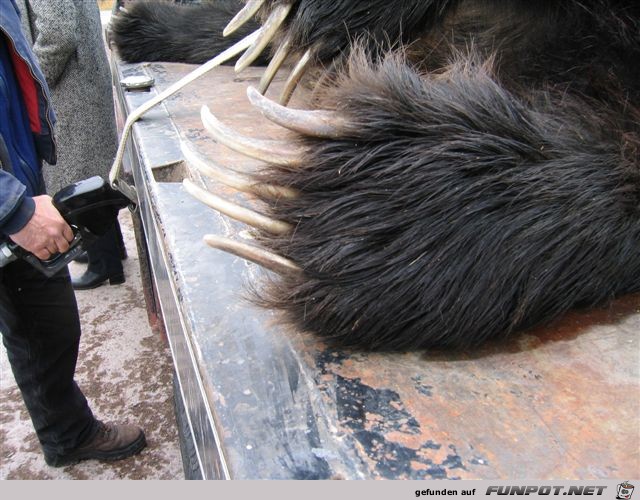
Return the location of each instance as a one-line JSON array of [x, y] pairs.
[[111, 442]]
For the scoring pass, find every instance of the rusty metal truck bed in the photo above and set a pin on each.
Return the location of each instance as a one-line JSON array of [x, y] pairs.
[[264, 401]]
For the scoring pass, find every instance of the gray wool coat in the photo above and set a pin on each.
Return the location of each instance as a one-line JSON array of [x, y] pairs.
[[67, 40]]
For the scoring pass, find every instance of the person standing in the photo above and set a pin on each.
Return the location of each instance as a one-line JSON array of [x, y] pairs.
[[39, 319], [67, 40]]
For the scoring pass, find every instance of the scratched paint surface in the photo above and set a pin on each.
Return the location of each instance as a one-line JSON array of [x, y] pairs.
[[561, 401]]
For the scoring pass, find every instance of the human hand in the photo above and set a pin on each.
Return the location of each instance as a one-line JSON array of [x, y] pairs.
[[46, 233]]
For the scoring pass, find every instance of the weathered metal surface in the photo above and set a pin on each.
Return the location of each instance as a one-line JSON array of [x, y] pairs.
[[561, 401]]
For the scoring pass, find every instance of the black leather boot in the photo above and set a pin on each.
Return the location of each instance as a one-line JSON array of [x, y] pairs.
[[105, 264], [83, 258], [122, 250], [92, 279]]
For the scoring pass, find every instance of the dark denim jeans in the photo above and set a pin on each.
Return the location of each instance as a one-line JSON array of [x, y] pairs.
[[41, 331]]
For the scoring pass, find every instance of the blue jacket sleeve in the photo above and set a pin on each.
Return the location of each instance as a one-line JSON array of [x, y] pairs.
[[16, 209]]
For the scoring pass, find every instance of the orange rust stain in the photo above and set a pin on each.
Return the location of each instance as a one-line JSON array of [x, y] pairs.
[[575, 322], [558, 401], [413, 441], [372, 421], [419, 466], [597, 420], [436, 456], [396, 405]]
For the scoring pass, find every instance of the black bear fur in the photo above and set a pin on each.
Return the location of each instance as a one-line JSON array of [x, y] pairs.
[[452, 210], [168, 32], [488, 177], [488, 180]]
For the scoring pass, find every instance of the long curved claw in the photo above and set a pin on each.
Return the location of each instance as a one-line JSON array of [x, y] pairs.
[[274, 65], [234, 179], [261, 257], [269, 30], [237, 212], [272, 151], [316, 123], [246, 13], [294, 78]]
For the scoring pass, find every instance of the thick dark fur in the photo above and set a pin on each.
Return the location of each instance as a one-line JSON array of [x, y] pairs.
[[168, 32], [329, 27], [489, 180], [453, 211], [489, 177]]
